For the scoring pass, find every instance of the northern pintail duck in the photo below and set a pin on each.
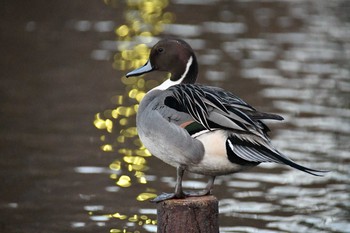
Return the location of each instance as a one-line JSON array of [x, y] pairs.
[[200, 129]]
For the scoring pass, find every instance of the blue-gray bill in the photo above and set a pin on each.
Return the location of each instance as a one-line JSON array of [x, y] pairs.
[[142, 70]]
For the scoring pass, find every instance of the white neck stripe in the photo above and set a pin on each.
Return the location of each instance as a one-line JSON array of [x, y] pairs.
[[168, 83], [189, 63]]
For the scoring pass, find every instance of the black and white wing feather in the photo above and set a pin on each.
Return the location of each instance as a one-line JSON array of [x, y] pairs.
[[247, 149], [215, 108]]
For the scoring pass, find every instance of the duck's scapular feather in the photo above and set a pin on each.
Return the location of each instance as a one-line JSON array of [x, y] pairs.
[[206, 104]]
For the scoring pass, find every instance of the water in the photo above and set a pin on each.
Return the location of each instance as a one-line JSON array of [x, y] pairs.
[[71, 158]]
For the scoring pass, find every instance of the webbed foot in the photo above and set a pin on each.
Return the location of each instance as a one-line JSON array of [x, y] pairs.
[[179, 193], [167, 196]]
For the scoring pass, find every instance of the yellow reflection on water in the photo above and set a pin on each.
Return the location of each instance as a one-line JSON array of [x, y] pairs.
[[139, 219], [122, 31], [143, 19], [116, 165], [145, 196], [124, 181], [119, 216], [107, 147], [103, 124]]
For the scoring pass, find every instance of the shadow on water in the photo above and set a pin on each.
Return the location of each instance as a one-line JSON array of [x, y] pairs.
[[286, 57]]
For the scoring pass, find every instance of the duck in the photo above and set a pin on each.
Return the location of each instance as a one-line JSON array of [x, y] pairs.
[[200, 129]]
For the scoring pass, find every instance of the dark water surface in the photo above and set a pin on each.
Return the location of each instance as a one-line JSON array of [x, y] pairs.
[[70, 157]]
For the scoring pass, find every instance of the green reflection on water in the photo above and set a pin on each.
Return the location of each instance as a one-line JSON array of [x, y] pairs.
[[143, 18]]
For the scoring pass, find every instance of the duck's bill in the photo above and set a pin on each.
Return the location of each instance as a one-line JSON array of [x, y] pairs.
[[142, 70]]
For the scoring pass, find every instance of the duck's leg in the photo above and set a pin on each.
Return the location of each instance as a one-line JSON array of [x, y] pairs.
[[204, 192], [178, 188]]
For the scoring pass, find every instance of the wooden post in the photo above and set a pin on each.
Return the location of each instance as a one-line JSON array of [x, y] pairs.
[[189, 215]]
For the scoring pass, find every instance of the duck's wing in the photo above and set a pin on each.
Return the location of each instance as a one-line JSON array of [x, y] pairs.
[[226, 97], [233, 101], [215, 108]]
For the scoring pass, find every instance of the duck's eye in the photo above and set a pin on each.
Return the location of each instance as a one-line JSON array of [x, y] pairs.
[[160, 50]]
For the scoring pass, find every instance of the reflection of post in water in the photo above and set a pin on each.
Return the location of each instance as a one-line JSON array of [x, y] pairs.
[[143, 20]]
